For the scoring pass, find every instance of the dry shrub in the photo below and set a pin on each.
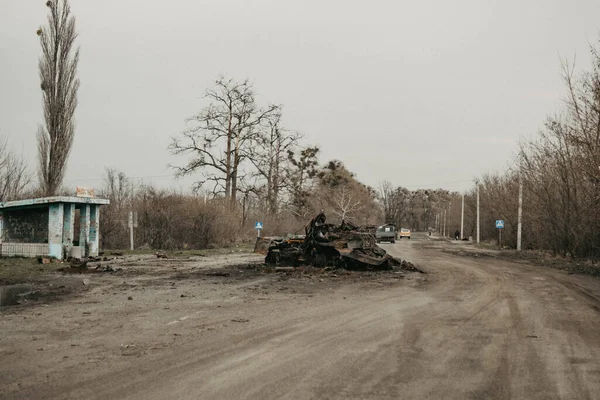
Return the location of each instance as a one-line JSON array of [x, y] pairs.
[[170, 220]]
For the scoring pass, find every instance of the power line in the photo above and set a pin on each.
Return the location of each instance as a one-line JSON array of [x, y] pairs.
[[128, 177], [436, 184], [172, 176]]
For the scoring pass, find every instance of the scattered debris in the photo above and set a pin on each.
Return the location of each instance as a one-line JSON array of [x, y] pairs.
[[86, 282], [116, 253], [44, 260], [78, 263], [82, 268], [408, 266], [240, 320], [161, 255], [531, 336], [130, 350], [107, 268], [130, 298], [284, 269], [218, 273]]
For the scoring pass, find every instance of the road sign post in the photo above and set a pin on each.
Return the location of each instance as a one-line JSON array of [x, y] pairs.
[[258, 226], [500, 227]]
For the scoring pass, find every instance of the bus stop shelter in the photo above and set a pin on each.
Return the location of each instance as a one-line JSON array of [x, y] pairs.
[[56, 227]]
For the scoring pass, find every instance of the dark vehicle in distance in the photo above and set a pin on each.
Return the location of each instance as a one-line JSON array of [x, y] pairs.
[[386, 233]]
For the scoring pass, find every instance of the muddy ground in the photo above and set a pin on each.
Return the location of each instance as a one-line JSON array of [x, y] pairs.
[[225, 328], [75, 322]]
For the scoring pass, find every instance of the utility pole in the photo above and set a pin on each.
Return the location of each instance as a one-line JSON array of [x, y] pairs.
[[445, 217], [131, 229], [462, 218], [477, 185], [520, 215]]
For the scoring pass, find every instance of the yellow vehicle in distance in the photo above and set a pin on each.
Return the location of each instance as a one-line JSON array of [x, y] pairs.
[[404, 233]]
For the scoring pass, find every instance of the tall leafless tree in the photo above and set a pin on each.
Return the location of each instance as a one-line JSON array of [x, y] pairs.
[[268, 154], [59, 83], [219, 134]]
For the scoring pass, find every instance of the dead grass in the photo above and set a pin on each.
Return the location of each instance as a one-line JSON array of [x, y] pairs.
[[241, 248], [487, 246], [15, 270]]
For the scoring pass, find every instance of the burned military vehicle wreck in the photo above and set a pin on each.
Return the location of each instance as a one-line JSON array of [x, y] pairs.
[[343, 246]]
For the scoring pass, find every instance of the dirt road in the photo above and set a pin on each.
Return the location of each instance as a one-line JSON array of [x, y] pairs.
[[474, 327]]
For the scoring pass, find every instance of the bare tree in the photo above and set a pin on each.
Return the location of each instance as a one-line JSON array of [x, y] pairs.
[[118, 188], [219, 134], [59, 84], [14, 176], [268, 154], [387, 198], [346, 202]]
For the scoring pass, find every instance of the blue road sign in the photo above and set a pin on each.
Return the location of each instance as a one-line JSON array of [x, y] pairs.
[[258, 225], [500, 224]]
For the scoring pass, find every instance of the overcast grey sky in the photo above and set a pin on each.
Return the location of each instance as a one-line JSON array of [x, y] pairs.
[[415, 92]]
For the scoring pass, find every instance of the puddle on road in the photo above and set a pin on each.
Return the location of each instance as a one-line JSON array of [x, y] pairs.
[[9, 294]]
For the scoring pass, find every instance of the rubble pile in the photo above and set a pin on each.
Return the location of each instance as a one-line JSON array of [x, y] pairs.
[[89, 265], [343, 246]]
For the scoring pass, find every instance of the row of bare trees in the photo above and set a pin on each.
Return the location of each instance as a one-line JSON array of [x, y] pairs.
[[560, 173]]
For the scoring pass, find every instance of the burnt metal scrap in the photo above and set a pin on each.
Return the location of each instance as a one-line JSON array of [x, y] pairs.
[[343, 246]]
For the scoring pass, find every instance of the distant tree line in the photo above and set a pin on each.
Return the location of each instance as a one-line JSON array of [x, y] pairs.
[[418, 210]]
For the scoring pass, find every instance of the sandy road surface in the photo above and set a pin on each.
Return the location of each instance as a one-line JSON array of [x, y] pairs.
[[474, 328]]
